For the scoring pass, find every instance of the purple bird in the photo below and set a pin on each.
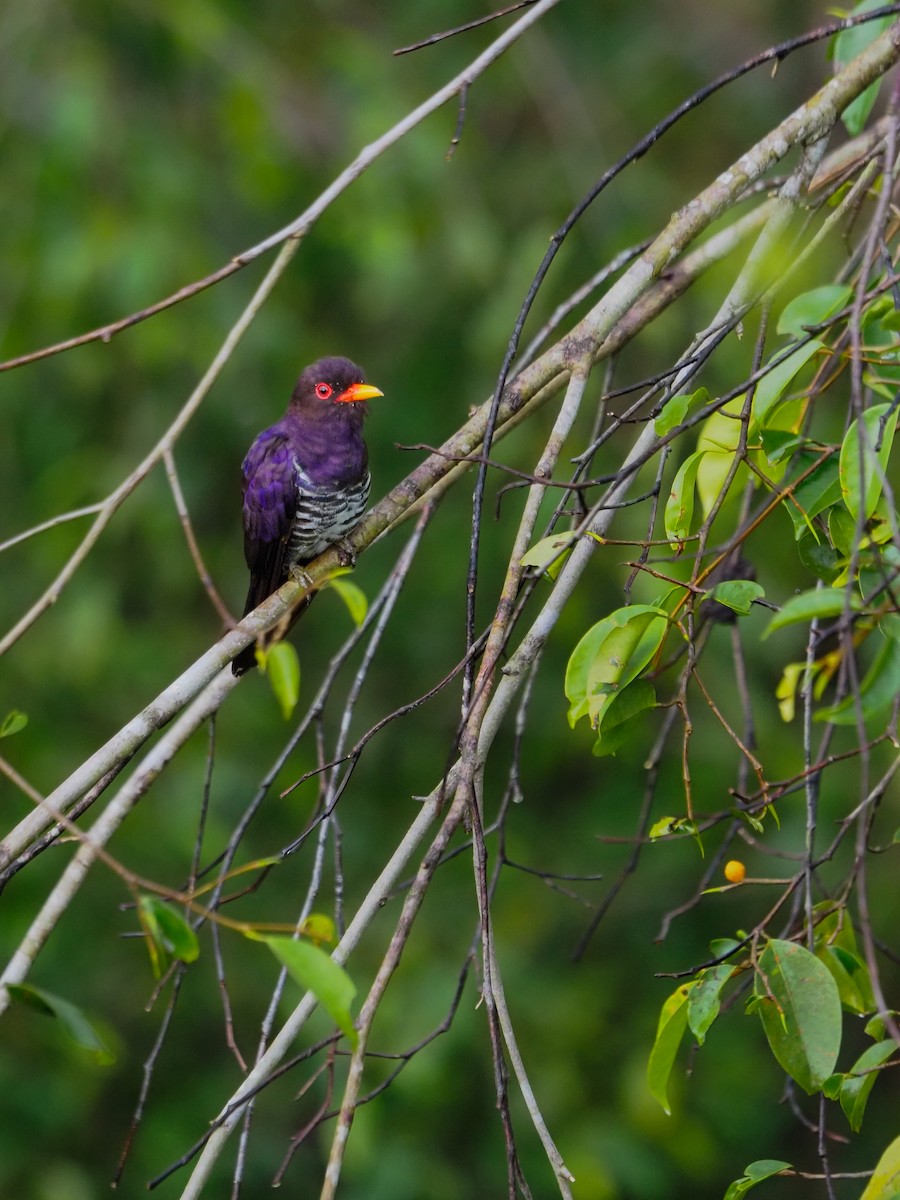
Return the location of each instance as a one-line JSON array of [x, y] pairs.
[[306, 480]]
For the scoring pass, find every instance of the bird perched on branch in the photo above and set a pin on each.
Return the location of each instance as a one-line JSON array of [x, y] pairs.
[[306, 480]]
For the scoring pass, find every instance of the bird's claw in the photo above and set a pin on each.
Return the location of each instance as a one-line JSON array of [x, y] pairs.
[[299, 575], [346, 556]]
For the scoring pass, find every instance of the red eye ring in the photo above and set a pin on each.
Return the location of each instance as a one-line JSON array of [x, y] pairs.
[[324, 390]]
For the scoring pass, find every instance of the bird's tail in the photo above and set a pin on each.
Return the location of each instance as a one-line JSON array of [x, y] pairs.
[[246, 660]]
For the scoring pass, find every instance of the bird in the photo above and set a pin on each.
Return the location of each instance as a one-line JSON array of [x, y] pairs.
[[305, 480]]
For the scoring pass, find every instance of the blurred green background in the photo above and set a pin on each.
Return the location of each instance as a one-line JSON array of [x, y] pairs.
[[143, 145]]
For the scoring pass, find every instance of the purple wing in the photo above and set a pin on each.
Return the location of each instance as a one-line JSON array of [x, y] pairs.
[[270, 501]]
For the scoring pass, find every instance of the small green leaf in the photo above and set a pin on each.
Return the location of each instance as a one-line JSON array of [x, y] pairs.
[[847, 45], [764, 1168], [677, 409], [679, 510], [282, 667], [836, 947], [723, 947], [13, 722], [70, 1017], [815, 604], [885, 1181], [353, 597], [878, 690], [168, 929], [800, 1008], [860, 1080], [737, 594], [862, 467], [610, 656], [819, 490], [550, 553], [669, 1031], [618, 719], [773, 384], [706, 998], [317, 971], [811, 308]]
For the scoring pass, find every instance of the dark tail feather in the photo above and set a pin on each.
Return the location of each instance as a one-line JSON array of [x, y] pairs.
[[246, 660]]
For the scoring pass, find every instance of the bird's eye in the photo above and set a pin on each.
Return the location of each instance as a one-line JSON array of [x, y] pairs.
[[324, 390]]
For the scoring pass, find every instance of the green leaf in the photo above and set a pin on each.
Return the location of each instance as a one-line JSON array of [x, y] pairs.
[[70, 1017], [168, 929], [861, 466], [885, 1182], [811, 308], [354, 598], [722, 947], [819, 490], [706, 998], [317, 971], [763, 1168], [847, 45], [618, 720], [878, 690], [800, 1009], [669, 826], [813, 605], [282, 666], [610, 656], [677, 409], [860, 1080], [772, 385], [836, 947], [550, 553], [737, 594], [670, 1028], [13, 722], [679, 509]]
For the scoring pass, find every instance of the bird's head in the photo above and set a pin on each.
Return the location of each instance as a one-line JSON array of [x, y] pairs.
[[333, 381]]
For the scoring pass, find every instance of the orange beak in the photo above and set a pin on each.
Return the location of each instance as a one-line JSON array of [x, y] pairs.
[[358, 391]]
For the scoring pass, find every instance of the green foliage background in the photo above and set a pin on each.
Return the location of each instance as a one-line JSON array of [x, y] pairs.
[[143, 145]]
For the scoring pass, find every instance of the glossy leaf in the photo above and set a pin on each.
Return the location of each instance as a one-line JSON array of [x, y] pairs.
[[878, 689], [168, 930], [737, 594], [282, 668], [618, 720], [353, 597], [774, 384], [800, 1009], [819, 603], [610, 656], [836, 947], [860, 1079], [70, 1017], [763, 1168], [669, 1031], [678, 408], [818, 491], [706, 998], [885, 1181], [847, 45], [551, 552], [811, 308], [317, 971], [679, 511], [12, 723], [861, 465]]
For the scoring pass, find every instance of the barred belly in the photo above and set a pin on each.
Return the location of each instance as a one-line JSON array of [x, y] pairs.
[[324, 516]]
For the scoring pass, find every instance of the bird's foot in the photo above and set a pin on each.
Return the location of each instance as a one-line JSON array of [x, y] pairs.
[[346, 556], [299, 575]]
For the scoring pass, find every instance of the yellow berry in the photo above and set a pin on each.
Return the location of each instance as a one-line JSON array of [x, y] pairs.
[[735, 871]]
